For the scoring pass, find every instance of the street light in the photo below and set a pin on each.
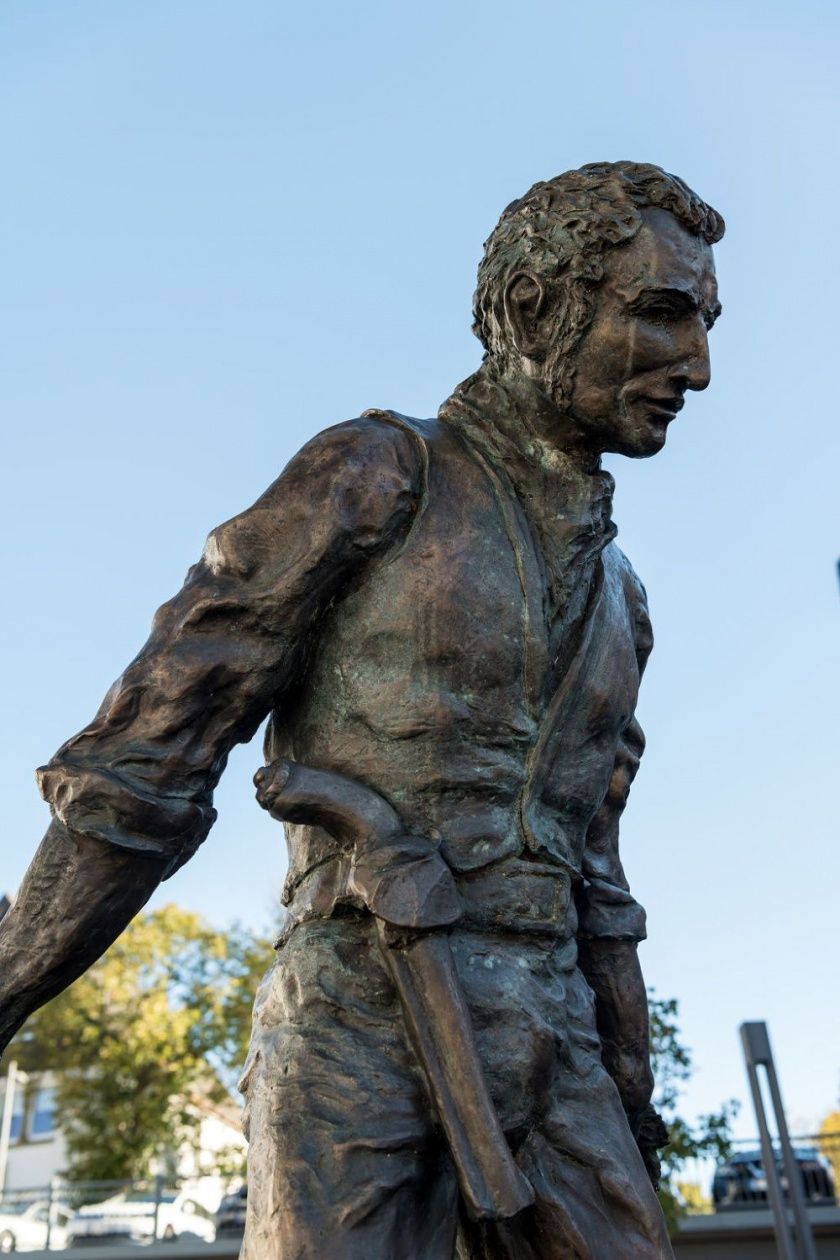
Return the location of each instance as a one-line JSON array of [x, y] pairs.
[[14, 1077]]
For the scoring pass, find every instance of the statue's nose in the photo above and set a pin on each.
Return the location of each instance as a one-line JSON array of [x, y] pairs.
[[694, 369]]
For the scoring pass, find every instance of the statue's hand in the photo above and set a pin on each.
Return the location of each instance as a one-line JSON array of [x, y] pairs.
[[651, 1134], [612, 969], [630, 1069]]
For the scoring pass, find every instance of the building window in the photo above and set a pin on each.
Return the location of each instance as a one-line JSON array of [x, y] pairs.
[[42, 1115]]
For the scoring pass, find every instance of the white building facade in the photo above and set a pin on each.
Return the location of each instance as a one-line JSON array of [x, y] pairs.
[[37, 1152]]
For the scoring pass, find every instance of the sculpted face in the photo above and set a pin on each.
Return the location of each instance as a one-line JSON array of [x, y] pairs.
[[648, 341]]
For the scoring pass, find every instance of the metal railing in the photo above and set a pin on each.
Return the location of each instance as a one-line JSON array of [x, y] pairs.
[[700, 1186], [50, 1217], [37, 1217]]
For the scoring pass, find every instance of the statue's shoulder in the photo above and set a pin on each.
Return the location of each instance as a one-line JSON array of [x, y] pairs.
[[359, 481], [634, 593], [430, 441], [424, 434], [376, 436], [385, 445], [435, 440], [618, 562], [374, 456]]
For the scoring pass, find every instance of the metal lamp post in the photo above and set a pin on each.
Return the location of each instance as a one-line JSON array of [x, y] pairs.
[[755, 1040], [14, 1077]]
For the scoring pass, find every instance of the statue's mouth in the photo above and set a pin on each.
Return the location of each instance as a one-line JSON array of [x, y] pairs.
[[666, 408]]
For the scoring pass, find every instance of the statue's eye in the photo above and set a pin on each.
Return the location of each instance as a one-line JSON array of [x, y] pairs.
[[659, 312], [659, 309]]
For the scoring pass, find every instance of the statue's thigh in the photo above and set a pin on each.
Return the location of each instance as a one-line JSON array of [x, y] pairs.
[[595, 1200], [343, 1159]]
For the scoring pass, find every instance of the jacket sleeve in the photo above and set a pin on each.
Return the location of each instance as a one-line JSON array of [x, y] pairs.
[[224, 650], [606, 907]]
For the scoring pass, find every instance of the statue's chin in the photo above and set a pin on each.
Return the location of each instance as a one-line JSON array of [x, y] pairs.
[[644, 440]]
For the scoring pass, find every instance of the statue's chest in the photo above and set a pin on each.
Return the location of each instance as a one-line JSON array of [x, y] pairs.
[[452, 627], [444, 620]]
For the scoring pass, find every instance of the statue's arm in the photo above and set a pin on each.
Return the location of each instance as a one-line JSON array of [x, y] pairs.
[[76, 897], [612, 970], [611, 924], [132, 794]]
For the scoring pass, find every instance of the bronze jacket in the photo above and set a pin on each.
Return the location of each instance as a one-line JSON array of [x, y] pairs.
[[393, 606]]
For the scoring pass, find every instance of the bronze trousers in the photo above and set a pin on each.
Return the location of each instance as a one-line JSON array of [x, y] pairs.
[[345, 1159]]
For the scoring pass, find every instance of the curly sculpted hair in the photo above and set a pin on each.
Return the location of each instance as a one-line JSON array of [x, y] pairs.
[[561, 229]]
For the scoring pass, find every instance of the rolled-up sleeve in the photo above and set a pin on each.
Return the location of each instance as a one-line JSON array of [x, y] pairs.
[[224, 650]]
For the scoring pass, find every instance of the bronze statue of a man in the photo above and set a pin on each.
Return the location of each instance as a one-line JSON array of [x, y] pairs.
[[450, 1054]]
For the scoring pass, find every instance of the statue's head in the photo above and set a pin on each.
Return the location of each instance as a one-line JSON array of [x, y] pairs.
[[600, 286]]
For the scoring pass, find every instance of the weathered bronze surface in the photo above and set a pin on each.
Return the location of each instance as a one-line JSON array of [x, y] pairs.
[[450, 1055]]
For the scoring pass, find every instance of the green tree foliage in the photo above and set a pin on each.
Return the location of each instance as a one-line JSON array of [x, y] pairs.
[[163, 1015], [709, 1138], [829, 1143]]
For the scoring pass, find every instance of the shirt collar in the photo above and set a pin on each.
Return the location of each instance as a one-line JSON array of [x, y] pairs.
[[570, 508]]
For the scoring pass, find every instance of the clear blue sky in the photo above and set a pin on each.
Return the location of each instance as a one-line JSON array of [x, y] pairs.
[[228, 225]]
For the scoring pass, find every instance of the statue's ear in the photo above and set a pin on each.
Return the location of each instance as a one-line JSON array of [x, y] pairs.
[[525, 300]]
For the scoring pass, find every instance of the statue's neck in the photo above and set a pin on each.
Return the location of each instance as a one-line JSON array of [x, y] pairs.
[[510, 412], [566, 497]]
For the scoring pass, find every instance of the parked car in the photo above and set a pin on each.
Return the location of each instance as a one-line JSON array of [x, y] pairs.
[[23, 1226], [741, 1182], [230, 1218], [130, 1217]]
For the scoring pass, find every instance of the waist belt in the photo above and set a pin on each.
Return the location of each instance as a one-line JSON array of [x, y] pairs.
[[515, 895]]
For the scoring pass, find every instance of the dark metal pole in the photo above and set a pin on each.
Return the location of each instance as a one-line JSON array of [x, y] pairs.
[[50, 1210], [784, 1241], [757, 1053], [158, 1193], [794, 1177]]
